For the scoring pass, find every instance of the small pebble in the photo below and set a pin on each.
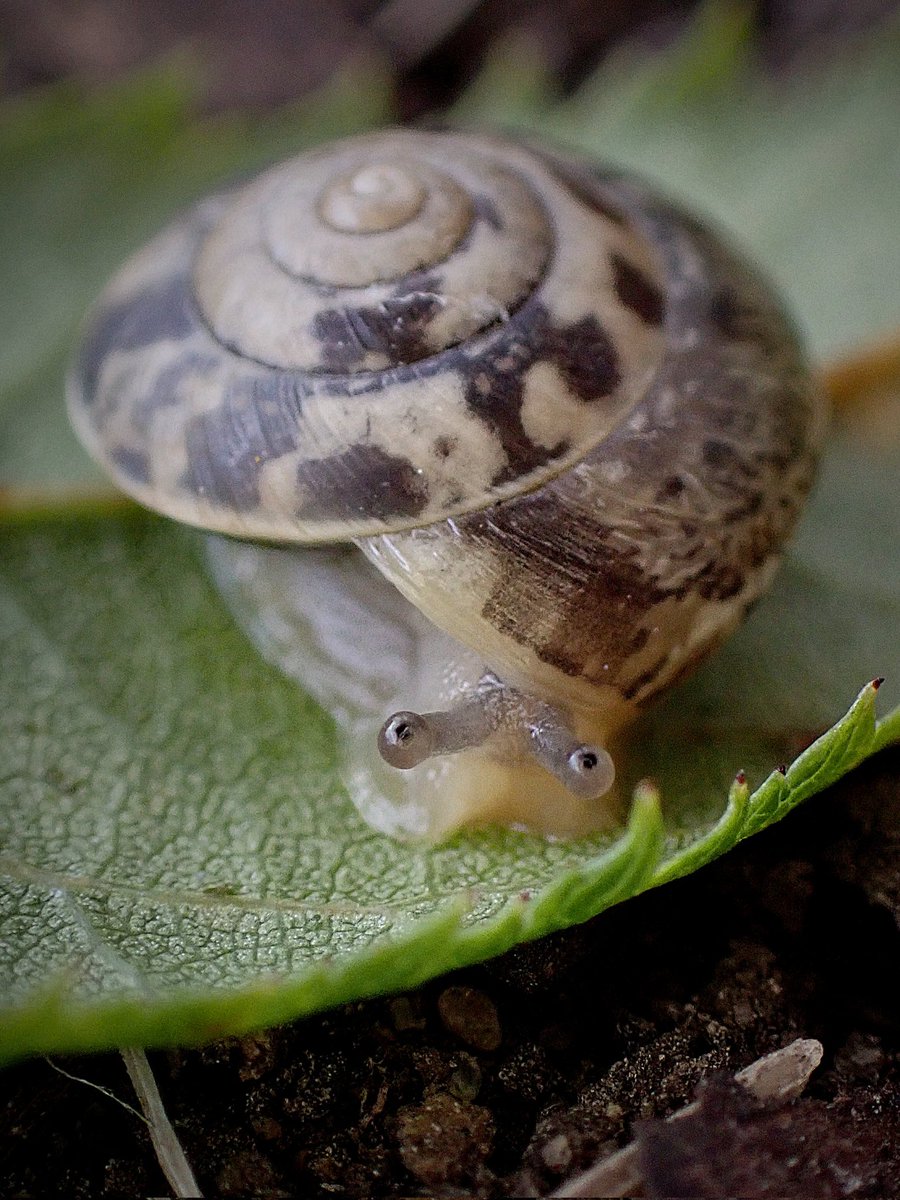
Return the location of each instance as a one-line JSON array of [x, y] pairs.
[[471, 1016], [743, 1013], [557, 1153], [465, 1082], [405, 1015], [443, 1140]]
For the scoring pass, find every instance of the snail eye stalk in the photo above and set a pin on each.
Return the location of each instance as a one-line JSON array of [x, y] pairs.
[[405, 740], [586, 770], [408, 738]]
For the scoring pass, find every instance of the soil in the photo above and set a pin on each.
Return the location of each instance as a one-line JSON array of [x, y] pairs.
[[508, 1078]]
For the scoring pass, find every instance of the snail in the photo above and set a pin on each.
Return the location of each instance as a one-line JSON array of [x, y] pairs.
[[498, 436]]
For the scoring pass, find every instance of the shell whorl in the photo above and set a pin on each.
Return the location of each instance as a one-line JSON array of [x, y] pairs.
[[373, 336], [365, 225]]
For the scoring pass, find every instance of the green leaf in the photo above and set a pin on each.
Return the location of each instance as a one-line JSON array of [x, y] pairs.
[[178, 858]]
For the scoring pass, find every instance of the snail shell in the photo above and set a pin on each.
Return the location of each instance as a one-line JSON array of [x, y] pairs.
[[560, 416]]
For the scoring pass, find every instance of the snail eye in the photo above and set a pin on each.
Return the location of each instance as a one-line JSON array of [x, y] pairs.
[[590, 771], [405, 740], [584, 761]]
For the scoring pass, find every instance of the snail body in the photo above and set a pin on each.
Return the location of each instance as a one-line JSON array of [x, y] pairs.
[[565, 421]]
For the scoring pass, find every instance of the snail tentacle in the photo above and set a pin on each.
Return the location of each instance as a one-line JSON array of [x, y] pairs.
[[407, 738], [586, 769]]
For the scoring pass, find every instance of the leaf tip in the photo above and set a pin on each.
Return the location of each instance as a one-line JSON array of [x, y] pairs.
[[647, 794], [645, 819], [876, 683], [738, 793]]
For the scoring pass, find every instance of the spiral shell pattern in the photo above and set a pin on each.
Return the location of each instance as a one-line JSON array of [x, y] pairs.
[[375, 335]]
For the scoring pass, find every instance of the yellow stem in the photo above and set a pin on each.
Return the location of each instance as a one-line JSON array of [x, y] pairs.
[[873, 369]]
